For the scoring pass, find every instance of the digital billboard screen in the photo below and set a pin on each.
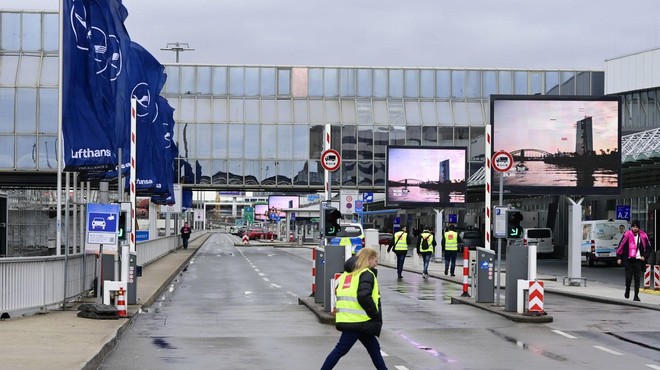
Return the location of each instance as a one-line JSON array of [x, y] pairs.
[[419, 176], [276, 203], [261, 212], [561, 145]]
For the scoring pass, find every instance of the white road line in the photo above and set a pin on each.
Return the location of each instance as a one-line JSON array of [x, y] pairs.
[[656, 367], [608, 350], [384, 354], [266, 279], [565, 334], [262, 274], [275, 285], [400, 367]]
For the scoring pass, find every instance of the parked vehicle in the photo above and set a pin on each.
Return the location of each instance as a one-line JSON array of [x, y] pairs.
[[385, 238], [472, 239], [542, 237], [255, 233], [600, 239]]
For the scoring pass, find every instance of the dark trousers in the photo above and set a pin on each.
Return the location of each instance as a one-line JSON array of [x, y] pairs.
[[450, 261], [426, 258], [185, 242], [400, 259], [346, 342], [633, 269]]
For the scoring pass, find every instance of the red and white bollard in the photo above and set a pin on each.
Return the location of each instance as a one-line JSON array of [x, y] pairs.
[[647, 277], [466, 271], [313, 271], [535, 297], [246, 240], [290, 237], [121, 303], [333, 293]]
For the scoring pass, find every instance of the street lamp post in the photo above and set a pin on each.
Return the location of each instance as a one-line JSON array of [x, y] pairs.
[[177, 47]]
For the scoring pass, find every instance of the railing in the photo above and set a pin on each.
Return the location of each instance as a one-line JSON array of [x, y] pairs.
[[33, 284]]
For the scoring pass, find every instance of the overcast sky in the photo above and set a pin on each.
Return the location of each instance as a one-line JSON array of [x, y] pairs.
[[577, 34]]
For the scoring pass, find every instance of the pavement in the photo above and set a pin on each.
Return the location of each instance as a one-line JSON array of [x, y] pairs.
[[59, 339]]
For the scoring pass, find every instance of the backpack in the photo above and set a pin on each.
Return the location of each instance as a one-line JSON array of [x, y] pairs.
[[425, 243]]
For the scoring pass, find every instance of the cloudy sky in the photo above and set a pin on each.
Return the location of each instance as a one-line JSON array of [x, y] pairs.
[[416, 33]]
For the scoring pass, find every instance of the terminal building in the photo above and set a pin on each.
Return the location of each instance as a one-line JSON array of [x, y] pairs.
[[259, 128]]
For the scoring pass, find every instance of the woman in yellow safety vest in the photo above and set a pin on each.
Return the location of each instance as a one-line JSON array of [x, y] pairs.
[[358, 310]]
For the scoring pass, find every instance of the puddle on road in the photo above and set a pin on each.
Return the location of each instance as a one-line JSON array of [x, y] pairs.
[[523, 345], [161, 343]]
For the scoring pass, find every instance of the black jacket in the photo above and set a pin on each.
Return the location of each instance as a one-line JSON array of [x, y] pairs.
[[365, 287]]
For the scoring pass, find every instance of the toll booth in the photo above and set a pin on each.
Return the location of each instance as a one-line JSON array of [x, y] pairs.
[[485, 275], [134, 271], [517, 267], [335, 257], [319, 266]]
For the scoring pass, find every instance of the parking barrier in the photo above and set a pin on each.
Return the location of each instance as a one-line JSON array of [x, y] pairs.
[[466, 271]]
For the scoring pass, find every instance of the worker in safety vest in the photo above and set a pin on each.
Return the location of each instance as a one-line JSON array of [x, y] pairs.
[[425, 246], [400, 243], [450, 243], [358, 310]]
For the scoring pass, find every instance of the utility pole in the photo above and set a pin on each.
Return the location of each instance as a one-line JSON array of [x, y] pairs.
[[177, 47]]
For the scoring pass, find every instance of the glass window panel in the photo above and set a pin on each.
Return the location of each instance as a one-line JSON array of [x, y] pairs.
[[235, 139], [252, 141], [330, 82], [426, 86], [395, 110], [348, 142], [429, 136], [11, 25], [365, 116], [204, 80], [475, 113], [379, 173], [284, 111], [428, 113], [535, 83], [597, 83], [506, 83], [300, 111], [219, 110], [26, 110], [7, 110], [252, 81], [445, 136], [252, 171], [442, 83], [332, 111], [268, 172], [473, 84], [457, 84], [413, 135], [300, 142], [203, 110], [364, 83], [567, 83], [236, 111], [268, 110], [28, 68], [49, 71], [380, 83], [301, 174], [381, 139], [219, 170], [365, 173], [348, 173], [188, 83], [316, 111], [219, 80], [380, 112], [267, 81], [397, 135], [552, 83], [348, 112], [411, 77], [187, 132], [583, 84], [412, 113], [335, 137], [219, 148], [489, 83], [172, 82], [235, 172], [315, 82], [315, 141], [31, 33], [520, 82], [7, 152], [269, 133], [299, 82], [444, 114], [284, 82], [462, 136], [48, 110], [236, 81], [252, 110], [284, 172], [8, 69], [460, 113], [365, 143], [48, 152], [203, 140], [26, 152], [285, 141], [187, 110], [51, 32], [477, 146], [396, 83], [347, 82]]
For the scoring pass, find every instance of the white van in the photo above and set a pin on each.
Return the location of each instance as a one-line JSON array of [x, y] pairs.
[[600, 239], [542, 237]]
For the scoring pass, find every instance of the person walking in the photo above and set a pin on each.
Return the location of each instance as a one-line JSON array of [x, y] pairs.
[[425, 247], [400, 243], [450, 243], [359, 315], [633, 251], [185, 234]]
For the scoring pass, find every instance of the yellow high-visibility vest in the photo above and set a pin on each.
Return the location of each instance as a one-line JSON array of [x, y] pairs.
[[451, 241], [348, 307], [401, 240], [429, 240]]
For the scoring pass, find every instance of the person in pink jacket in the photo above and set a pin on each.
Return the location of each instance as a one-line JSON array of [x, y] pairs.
[[633, 251]]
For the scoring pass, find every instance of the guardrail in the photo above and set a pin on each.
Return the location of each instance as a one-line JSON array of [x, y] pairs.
[[37, 284]]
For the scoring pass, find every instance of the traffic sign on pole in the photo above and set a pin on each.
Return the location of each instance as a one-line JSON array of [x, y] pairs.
[[330, 160], [502, 161]]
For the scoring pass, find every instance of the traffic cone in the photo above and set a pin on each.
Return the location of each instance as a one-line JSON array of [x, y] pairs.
[[121, 303]]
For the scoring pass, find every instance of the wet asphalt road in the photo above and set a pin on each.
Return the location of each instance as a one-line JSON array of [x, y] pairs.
[[237, 308]]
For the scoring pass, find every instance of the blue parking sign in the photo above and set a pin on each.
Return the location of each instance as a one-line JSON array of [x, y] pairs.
[[623, 213], [102, 223]]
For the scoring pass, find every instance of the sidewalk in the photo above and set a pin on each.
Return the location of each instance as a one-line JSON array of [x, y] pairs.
[[62, 340]]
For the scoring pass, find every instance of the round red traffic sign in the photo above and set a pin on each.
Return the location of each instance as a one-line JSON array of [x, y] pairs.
[[502, 161], [330, 160]]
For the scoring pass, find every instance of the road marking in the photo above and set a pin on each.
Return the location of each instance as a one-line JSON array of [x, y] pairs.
[[400, 367], [656, 367], [608, 350], [266, 279], [275, 285], [384, 354], [564, 334], [261, 274]]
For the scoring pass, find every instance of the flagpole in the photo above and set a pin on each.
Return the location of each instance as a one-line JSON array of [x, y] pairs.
[[58, 238]]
